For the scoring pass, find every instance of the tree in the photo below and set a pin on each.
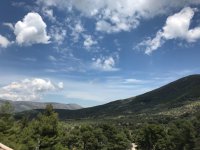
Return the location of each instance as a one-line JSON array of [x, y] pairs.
[[7, 125], [183, 135], [117, 139], [43, 131], [152, 137], [6, 117], [6, 109]]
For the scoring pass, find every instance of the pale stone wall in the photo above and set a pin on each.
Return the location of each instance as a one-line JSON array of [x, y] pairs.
[[3, 147], [134, 146]]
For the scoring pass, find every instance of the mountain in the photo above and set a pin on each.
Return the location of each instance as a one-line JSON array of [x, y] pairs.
[[27, 105], [175, 99], [181, 94]]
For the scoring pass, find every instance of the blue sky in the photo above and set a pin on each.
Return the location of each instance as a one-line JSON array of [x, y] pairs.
[[91, 52]]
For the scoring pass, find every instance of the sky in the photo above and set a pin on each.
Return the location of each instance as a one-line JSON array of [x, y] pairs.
[[91, 52]]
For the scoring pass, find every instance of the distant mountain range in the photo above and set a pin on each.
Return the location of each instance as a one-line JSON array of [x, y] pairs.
[[27, 105], [181, 97]]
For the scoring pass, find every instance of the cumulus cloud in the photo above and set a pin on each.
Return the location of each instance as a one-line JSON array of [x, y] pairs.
[[104, 64], [122, 15], [177, 27], [88, 42], [31, 30], [4, 42], [28, 89]]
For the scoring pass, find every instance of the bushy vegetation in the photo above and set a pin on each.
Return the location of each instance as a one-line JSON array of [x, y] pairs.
[[46, 132]]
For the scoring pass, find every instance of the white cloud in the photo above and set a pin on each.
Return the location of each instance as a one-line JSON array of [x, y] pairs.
[[104, 64], [105, 26], [61, 85], [121, 15], [133, 81], [61, 4], [49, 14], [88, 42], [58, 34], [9, 25], [151, 45], [4, 42], [79, 28], [52, 58], [31, 30], [109, 27], [177, 27], [28, 89], [76, 31]]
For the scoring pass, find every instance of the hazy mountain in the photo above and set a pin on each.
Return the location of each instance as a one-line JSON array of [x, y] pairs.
[[176, 98], [27, 105]]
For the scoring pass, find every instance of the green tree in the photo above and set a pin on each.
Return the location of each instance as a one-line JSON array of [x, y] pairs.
[[6, 117], [117, 139], [183, 135], [152, 137], [43, 131]]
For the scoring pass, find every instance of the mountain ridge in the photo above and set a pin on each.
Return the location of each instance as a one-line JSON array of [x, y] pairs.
[[176, 94], [20, 106]]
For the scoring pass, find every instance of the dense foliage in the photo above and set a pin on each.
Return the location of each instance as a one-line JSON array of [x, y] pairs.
[[181, 135], [46, 132]]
